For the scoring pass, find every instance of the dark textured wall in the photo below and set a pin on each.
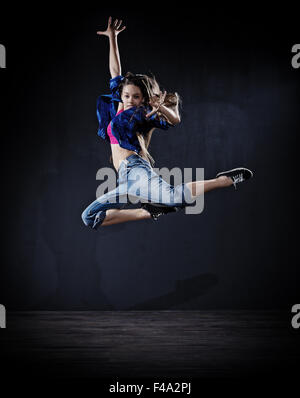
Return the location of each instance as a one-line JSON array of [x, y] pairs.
[[240, 107]]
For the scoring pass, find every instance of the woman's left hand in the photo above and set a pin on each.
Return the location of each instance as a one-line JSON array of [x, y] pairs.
[[156, 101]]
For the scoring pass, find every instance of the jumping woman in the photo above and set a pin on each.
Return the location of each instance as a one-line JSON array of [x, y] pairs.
[[127, 118]]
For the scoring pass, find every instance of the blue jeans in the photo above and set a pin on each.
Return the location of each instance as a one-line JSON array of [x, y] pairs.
[[137, 181]]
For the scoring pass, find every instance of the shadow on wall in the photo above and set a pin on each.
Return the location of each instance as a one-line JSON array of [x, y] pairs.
[[185, 290]]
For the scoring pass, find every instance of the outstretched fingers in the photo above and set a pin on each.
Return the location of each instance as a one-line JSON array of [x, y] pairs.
[[117, 26], [121, 30], [113, 27]]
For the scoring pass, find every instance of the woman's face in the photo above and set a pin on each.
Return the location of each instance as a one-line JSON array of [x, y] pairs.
[[131, 96]]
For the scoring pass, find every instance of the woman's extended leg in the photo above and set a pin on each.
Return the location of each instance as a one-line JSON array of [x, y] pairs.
[[199, 187], [222, 180]]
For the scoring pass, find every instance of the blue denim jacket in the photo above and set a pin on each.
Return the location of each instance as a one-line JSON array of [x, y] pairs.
[[125, 125]]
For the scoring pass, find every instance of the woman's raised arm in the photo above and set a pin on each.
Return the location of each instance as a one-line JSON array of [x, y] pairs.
[[112, 31]]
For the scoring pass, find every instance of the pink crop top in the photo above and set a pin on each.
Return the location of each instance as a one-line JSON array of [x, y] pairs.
[[112, 138]]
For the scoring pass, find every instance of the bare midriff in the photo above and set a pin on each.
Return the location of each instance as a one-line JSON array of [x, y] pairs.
[[118, 154]]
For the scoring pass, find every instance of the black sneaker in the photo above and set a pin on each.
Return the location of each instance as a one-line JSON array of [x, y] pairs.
[[237, 175], [157, 211]]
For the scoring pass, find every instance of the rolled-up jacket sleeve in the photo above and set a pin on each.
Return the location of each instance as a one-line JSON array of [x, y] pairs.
[[160, 123], [114, 87], [107, 106]]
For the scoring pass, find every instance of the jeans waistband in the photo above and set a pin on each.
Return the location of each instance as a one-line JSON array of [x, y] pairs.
[[131, 159]]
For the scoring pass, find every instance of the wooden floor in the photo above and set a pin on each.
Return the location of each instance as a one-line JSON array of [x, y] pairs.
[[149, 344]]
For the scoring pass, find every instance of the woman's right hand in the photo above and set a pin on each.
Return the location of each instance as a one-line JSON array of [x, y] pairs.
[[156, 101], [113, 29]]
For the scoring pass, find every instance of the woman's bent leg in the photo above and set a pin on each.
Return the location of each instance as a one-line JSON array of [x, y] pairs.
[[108, 210], [115, 216], [94, 215]]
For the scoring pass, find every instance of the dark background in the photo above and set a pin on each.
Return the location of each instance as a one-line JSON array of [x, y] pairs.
[[240, 108]]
